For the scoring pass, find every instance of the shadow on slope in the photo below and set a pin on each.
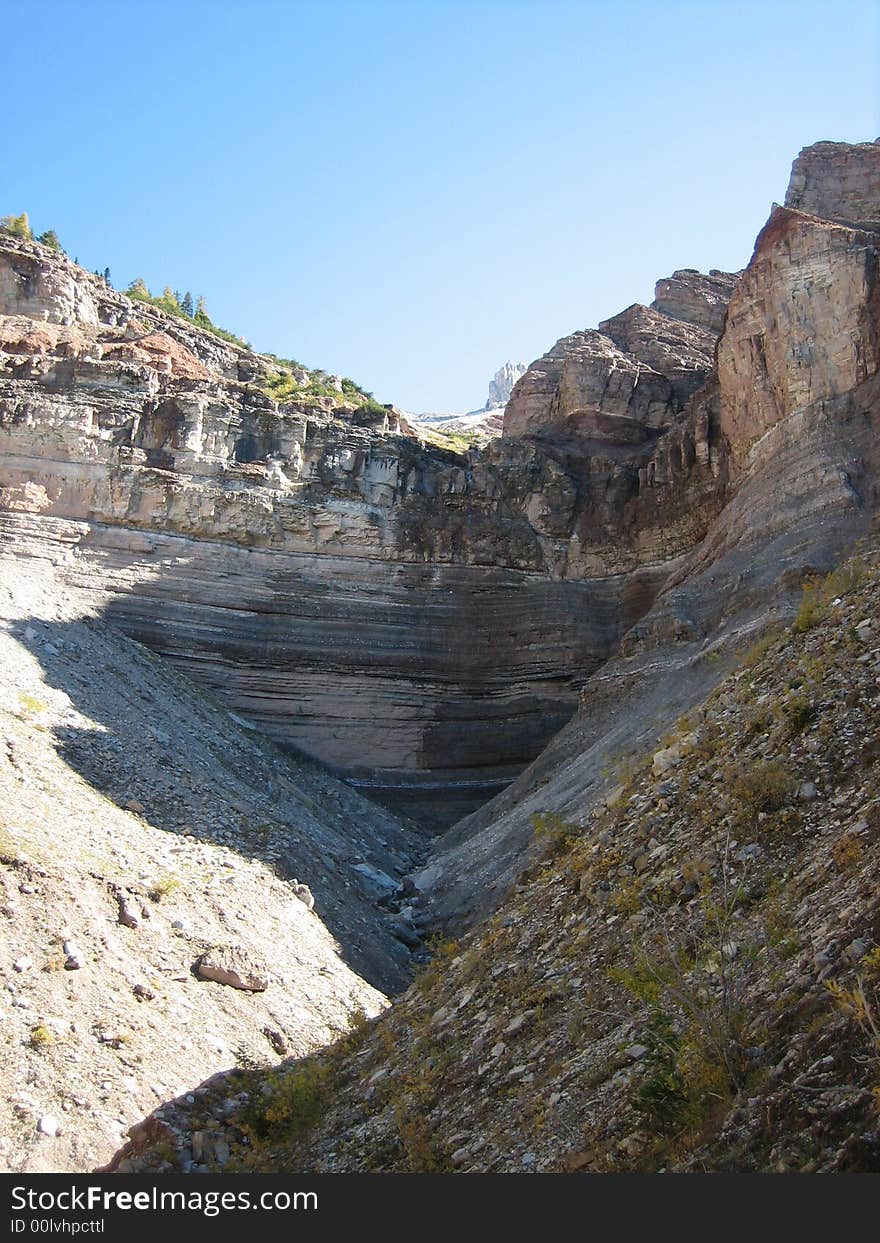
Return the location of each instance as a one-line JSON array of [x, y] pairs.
[[160, 749]]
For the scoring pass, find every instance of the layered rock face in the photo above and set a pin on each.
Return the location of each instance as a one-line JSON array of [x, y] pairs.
[[426, 620], [420, 620], [837, 181], [633, 374], [696, 297], [792, 410]]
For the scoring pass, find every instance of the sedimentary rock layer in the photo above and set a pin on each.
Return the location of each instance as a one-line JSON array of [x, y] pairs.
[[837, 181], [795, 401], [420, 620]]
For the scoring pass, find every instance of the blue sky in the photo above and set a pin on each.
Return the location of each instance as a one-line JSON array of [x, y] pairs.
[[412, 193]]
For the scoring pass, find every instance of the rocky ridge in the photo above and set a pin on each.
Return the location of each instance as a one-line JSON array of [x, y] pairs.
[[789, 413]]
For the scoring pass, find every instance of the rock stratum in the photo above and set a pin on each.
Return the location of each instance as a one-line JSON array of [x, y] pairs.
[[523, 645], [418, 619]]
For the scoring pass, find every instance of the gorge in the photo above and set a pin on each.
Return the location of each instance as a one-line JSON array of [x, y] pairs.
[[497, 645]]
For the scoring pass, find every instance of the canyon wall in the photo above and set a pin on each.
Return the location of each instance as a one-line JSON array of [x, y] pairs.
[[426, 621], [420, 620], [793, 406]]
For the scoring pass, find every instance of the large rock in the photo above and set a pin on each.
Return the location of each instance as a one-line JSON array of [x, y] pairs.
[[233, 965], [696, 297], [802, 327], [631, 376], [837, 181]]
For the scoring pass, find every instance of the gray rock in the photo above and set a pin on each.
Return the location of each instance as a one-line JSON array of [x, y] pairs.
[[234, 966], [376, 882]]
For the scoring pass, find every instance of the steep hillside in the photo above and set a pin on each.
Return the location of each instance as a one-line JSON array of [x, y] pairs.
[[142, 828], [689, 980]]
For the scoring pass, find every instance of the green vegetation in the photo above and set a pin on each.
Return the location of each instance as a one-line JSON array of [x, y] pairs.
[[819, 594], [764, 787], [181, 306], [20, 226], [553, 833], [287, 387], [41, 1037], [164, 887]]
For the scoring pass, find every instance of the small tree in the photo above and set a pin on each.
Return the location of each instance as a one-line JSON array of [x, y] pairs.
[[201, 316], [140, 290], [186, 305], [107, 280], [19, 226], [50, 239]]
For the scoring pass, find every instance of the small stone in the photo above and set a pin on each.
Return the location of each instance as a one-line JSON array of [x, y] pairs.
[[528, 1158], [22, 964], [636, 1051], [378, 884], [807, 792], [304, 894], [665, 760], [857, 949], [128, 916], [75, 959], [49, 1125], [459, 1156]]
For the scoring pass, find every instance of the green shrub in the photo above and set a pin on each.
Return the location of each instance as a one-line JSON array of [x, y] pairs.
[[799, 712], [41, 1037], [764, 787]]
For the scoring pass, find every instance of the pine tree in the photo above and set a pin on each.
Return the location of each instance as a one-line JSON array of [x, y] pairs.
[[50, 239], [187, 305], [201, 316], [107, 280]]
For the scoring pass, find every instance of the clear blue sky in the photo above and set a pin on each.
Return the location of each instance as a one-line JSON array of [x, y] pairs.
[[412, 193]]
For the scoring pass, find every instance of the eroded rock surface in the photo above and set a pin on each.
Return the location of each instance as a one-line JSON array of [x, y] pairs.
[[422, 620], [837, 181]]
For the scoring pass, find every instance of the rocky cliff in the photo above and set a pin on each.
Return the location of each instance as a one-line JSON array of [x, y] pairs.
[[837, 181], [501, 385], [427, 621], [682, 971], [790, 411], [422, 620]]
